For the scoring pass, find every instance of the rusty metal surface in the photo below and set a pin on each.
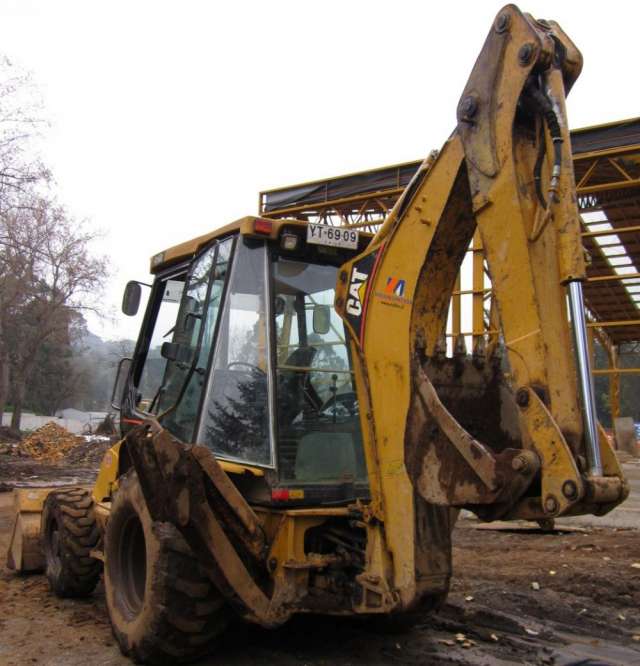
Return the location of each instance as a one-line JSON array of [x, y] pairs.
[[450, 467], [606, 490]]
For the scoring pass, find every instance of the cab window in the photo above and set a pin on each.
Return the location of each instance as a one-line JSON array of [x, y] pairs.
[[186, 371], [164, 306], [319, 437], [236, 422]]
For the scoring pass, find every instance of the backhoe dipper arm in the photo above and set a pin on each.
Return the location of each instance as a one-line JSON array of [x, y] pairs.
[[461, 432]]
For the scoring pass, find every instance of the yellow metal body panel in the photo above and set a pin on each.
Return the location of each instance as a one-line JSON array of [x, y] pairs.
[[107, 474], [25, 554], [25, 551], [244, 226], [236, 468], [187, 249]]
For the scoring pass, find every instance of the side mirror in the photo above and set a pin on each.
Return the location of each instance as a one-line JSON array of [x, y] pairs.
[[321, 319], [190, 320], [131, 298], [118, 386], [174, 351], [169, 350]]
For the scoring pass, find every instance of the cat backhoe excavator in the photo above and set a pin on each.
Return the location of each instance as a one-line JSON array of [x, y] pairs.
[[295, 437]]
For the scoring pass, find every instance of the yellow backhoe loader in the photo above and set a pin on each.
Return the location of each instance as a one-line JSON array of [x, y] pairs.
[[296, 438]]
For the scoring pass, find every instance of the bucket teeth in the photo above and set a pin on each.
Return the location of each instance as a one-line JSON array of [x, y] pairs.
[[497, 355], [460, 347], [440, 351], [479, 351]]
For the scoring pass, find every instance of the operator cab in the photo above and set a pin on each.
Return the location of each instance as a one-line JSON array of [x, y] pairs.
[[242, 351]]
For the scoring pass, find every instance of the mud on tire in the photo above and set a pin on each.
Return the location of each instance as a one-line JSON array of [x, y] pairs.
[[68, 534], [163, 609]]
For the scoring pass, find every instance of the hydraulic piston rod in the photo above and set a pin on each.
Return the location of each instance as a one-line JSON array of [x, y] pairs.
[[585, 381]]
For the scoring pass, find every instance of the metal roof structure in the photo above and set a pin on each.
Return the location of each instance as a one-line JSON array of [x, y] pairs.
[[607, 168]]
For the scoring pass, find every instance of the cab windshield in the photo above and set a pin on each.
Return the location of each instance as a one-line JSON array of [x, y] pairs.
[[318, 426]]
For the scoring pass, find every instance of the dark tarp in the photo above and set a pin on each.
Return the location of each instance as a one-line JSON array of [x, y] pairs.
[[624, 133], [367, 182]]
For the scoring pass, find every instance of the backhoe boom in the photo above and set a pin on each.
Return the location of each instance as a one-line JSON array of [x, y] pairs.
[[501, 435]]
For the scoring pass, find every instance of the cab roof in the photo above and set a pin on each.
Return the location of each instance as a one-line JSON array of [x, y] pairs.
[[245, 226]]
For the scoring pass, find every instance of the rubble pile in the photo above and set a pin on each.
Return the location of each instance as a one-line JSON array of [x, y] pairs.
[[50, 443], [89, 452], [9, 449]]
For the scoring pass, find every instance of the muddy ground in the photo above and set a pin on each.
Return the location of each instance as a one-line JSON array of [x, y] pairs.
[[586, 610]]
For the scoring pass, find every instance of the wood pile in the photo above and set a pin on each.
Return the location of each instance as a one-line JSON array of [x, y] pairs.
[[49, 443]]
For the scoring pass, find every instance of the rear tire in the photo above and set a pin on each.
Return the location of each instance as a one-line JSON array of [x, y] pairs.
[[163, 609], [69, 533]]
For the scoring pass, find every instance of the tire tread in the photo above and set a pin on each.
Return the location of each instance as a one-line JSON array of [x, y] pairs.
[[190, 612], [78, 532]]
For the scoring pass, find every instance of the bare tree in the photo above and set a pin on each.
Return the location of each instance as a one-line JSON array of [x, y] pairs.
[[20, 126], [46, 269], [47, 272], [20, 173]]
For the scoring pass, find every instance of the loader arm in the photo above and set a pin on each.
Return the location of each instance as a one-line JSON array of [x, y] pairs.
[[506, 434]]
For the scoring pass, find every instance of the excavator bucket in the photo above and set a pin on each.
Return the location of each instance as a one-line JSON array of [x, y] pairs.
[[25, 552]]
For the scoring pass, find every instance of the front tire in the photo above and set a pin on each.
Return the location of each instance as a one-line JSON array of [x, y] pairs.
[[69, 533], [162, 607]]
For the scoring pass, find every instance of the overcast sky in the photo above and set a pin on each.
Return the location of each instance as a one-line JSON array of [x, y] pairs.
[[168, 118]]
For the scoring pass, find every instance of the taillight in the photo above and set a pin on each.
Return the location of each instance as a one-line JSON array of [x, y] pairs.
[[263, 227], [285, 494]]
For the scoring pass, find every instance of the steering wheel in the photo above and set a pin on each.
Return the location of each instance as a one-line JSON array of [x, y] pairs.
[[342, 399]]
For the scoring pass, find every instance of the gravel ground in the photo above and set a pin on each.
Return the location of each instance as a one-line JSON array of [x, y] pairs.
[[519, 596]]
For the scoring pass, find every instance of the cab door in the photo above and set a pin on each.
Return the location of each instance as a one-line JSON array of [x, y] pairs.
[[189, 349], [237, 416], [172, 357]]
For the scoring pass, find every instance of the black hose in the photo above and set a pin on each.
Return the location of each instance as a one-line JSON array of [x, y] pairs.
[[542, 104], [537, 169]]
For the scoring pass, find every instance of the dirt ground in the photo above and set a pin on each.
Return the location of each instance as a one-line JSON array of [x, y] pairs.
[[585, 608]]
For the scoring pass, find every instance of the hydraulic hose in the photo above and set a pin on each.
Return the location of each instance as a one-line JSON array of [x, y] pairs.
[[542, 104]]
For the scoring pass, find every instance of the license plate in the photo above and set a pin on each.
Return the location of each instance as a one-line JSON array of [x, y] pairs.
[[322, 234]]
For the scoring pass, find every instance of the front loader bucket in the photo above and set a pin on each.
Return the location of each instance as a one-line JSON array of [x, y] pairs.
[[25, 552]]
